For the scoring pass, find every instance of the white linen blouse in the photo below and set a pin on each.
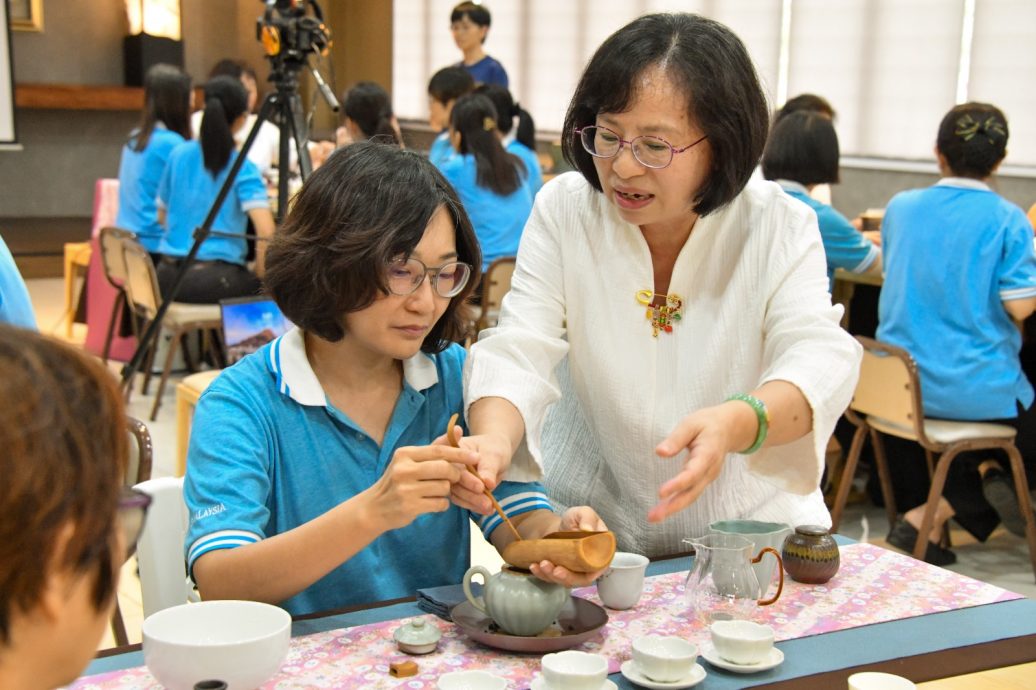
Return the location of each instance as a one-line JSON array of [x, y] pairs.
[[574, 352]]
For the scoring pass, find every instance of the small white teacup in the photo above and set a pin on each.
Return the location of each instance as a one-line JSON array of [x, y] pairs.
[[623, 582], [574, 670], [665, 659], [742, 642], [870, 680]]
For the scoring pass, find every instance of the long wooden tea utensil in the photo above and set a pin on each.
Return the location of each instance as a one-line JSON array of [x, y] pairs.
[[499, 511]]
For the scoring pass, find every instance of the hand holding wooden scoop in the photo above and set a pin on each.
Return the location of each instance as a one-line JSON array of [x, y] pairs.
[[578, 552]]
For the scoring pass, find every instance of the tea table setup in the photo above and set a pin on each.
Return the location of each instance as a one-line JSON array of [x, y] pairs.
[[882, 611]]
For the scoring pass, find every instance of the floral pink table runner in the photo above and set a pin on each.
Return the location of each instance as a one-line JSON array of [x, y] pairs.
[[874, 585]]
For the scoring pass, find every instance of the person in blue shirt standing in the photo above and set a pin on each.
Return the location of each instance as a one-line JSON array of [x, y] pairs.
[[469, 24], [959, 271], [318, 475], [444, 88], [802, 152], [194, 175], [489, 181], [15, 305], [520, 140], [164, 125]]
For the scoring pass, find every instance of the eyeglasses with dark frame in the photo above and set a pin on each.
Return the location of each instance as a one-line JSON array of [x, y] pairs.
[[133, 506], [650, 151], [404, 276]]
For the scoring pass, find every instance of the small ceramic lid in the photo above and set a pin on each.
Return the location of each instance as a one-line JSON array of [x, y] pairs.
[[812, 530], [417, 632]]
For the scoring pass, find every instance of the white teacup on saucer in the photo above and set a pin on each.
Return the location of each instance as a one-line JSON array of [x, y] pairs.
[[662, 658], [471, 680], [772, 660], [742, 642], [636, 676], [572, 670], [539, 683]]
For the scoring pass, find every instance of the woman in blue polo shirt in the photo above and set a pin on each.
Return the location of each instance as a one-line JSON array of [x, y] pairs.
[[194, 175], [801, 153], [489, 181], [164, 125], [318, 475], [959, 271]]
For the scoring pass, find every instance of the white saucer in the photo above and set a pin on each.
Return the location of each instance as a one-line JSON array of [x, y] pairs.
[[539, 684], [632, 673], [775, 659]]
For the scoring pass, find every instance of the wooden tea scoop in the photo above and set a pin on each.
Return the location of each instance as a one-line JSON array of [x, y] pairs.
[[579, 552], [499, 511]]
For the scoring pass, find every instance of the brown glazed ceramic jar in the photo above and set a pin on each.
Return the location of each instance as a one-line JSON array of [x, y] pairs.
[[810, 555]]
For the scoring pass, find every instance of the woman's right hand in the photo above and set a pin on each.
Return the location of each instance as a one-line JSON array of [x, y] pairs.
[[417, 481], [494, 456]]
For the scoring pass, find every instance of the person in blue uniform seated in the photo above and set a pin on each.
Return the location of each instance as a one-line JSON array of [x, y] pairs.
[[469, 24], [193, 177], [519, 140], [491, 182], [367, 113], [801, 153], [318, 473], [977, 248], [444, 88], [164, 125], [15, 305], [64, 527]]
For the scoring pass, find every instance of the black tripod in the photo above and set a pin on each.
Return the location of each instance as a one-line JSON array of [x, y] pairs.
[[284, 107]]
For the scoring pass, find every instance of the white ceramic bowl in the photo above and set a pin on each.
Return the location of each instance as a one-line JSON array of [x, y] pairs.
[[742, 642], [666, 659], [470, 680], [241, 643], [574, 670]]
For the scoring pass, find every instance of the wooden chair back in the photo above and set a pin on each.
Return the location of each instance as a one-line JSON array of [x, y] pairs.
[[112, 260], [889, 388], [141, 279]]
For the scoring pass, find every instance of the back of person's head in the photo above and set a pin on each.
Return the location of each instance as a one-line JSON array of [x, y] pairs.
[[808, 102], [366, 206], [803, 147], [474, 119], [225, 101], [64, 441], [475, 12], [973, 139], [449, 84], [167, 99], [710, 65], [369, 106], [507, 109], [240, 70]]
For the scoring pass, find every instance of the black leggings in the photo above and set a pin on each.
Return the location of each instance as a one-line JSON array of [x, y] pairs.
[[963, 489], [207, 282]]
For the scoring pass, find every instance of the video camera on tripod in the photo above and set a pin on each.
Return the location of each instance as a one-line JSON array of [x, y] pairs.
[[289, 34]]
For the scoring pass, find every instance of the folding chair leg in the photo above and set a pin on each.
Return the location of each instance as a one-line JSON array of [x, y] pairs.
[[884, 478], [942, 468], [848, 472], [1022, 488], [118, 626], [165, 372]]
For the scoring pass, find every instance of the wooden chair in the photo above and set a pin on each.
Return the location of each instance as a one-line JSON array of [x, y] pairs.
[[138, 470], [888, 401], [495, 284], [180, 319], [114, 264]]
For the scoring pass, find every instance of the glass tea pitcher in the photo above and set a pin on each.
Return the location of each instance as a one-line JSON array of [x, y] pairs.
[[722, 585]]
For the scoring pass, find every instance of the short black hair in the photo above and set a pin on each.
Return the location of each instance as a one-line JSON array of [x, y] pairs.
[[478, 14], [805, 101], [973, 138], [368, 204], [450, 83], [369, 106], [803, 147], [710, 64]]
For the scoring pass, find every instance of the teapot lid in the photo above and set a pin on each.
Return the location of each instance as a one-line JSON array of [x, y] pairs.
[[416, 632], [812, 530]]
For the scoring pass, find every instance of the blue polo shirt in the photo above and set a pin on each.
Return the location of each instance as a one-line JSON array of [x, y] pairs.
[[269, 452], [487, 71], [534, 172], [498, 220], [187, 190], [953, 253], [844, 246], [15, 305], [140, 173], [441, 149]]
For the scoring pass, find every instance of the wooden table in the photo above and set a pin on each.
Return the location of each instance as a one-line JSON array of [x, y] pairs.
[[1009, 678], [76, 262]]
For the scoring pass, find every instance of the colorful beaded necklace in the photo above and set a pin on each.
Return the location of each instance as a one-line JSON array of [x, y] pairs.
[[661, 316]]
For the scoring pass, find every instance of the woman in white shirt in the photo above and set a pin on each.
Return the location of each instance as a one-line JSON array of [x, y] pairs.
[[720, 402]]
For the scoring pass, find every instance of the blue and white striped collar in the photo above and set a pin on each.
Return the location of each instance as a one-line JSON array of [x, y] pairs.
[[963, 183], [287, 359], [793, 186]]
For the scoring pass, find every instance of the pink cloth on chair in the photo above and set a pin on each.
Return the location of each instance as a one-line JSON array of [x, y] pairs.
[[100, 295]]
